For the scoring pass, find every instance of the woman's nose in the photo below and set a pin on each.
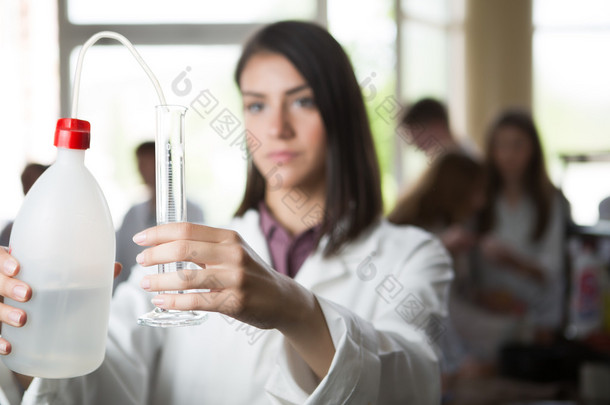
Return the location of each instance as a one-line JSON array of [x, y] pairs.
[[279, 125]]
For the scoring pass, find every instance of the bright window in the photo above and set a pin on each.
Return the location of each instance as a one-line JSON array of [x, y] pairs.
[[368, 34], [187, 11], [183, 41], [29, 102], [431, 61], [119, 101], [572, 95], [192, 47]]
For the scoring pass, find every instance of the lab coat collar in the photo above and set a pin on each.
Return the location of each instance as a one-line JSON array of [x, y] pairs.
[[316, 270]]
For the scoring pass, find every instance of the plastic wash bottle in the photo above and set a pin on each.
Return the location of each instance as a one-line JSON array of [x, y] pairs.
[[63, 238]]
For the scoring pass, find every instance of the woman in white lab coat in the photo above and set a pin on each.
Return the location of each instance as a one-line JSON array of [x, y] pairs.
[[314, 297]]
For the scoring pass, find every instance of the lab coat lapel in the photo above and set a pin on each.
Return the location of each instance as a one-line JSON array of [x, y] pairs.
[[317, 270], [249, 229]]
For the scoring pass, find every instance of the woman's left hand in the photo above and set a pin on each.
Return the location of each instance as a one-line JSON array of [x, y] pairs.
[[241, 285]]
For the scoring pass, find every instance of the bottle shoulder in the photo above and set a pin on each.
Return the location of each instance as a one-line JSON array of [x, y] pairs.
[[63, 195]]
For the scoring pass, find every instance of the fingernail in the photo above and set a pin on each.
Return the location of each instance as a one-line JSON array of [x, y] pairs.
[[140, 258], [10, 265], [15, 316], [20, 291], [157, 301], [3, 348], [139, 237], [145, 284]]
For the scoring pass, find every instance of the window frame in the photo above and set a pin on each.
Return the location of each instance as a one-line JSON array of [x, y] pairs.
[[73, 35], [454, 31]]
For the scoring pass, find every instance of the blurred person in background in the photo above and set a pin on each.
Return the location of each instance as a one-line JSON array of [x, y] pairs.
[[445, 200], [426, 125], [29, 175], [517, 271], [520, 266]]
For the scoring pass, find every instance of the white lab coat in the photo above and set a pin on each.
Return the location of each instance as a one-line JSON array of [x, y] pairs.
[[384, 300]]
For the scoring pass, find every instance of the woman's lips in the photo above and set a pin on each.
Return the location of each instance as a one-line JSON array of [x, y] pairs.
[[282, 156]]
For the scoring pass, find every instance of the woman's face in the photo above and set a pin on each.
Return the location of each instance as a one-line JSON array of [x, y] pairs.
[[512, 152], [281, 113]]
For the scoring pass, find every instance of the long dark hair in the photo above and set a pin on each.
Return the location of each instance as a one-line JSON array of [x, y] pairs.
[[353, 191], [442, 195], [535, 179]]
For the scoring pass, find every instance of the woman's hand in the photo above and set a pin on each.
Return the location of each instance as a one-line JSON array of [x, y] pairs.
[[495, 251], [458, 239], [498, 252], [14, 289], [241, 286]]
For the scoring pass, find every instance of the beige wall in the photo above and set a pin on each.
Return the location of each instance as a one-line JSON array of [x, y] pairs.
[[498, 42]]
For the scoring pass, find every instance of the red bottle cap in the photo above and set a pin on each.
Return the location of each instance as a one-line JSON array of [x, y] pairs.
[[72, 133]]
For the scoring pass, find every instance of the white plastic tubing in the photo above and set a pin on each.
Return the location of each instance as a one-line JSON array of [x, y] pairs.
[[128, 45]]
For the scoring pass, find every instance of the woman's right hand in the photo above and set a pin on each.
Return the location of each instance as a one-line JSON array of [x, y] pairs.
[[458, 239], [14, 289]]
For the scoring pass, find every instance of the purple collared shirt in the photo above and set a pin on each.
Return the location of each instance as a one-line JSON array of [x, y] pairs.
[[287, 252]]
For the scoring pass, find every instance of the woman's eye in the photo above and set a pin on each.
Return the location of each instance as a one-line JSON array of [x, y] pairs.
[[306, 102], [254, 108]]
